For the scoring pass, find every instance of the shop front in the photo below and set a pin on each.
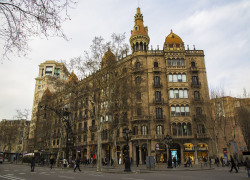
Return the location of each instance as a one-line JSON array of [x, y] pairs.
[[160, 153], [188, 151], [202, 150]]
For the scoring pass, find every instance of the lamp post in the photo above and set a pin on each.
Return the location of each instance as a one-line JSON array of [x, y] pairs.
[[168, 140], [127, 135]]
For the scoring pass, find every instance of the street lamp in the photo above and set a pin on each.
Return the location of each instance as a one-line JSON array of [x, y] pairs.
[[127, 135], [168, 140]]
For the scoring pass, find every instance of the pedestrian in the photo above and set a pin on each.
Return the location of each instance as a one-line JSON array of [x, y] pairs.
[[174, 160], [131, 161], [51, 161], [65, 163], [178, 162], [77, 165], [33, 162], [217, 162], [222, 161], [233, 165], [205, 161], [247, 164], [189, 162]]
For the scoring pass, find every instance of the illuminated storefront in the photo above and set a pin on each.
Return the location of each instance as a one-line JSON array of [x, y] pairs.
[[188, 151]]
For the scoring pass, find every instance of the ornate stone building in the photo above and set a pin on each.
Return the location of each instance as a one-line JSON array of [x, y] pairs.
[[14, 138], [231, 125], [151, 92]]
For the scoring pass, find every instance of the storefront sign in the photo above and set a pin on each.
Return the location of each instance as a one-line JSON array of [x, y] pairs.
[[157, 147]]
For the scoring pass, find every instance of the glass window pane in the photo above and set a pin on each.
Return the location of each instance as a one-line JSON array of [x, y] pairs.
[[179, 78], [181, 95], [170, 78], [184, 79], [185, 93], [174, 77], [171, 93]]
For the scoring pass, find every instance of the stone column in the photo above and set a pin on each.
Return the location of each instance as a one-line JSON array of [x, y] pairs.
[[140, 157], [196, 155], [182, 154]]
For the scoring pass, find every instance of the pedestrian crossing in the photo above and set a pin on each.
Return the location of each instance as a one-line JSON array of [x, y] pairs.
[[11, 177]]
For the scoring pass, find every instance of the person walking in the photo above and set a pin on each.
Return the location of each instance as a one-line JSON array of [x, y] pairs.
[[33, 162], [77, 165], [174, 160], [247, 164], [222, 161], [233, 164], [51, 161]]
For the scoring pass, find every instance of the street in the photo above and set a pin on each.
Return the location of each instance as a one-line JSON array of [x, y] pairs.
[[22, 172]]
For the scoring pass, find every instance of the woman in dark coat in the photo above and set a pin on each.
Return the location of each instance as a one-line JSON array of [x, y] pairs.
[[33, 162], [233, 164]]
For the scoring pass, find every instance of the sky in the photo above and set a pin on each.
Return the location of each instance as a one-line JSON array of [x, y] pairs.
[[219, 27]]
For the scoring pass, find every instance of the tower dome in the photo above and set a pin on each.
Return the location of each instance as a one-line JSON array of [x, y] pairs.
[[139, 38], [108, 58], [172, 38]]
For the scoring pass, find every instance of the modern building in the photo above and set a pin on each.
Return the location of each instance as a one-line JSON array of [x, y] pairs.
[[51, 75], [149, 93]]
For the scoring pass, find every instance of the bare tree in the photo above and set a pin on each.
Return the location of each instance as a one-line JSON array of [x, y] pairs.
[[22, 19], [22, 114], [243, 119]]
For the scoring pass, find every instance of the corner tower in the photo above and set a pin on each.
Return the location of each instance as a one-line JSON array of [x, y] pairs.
[[139, 38]]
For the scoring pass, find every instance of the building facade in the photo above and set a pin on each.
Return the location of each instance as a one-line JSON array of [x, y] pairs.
[[51, 75], [152, 93], [14, 138], [231, 138]]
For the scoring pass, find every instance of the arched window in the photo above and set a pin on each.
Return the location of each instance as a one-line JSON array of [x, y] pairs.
[[92, 137], [141, 46], [138, 79], [174, 129], [182, 62], [171, 93], [184, 78], [159, 130], [138, 95], [192, 64], [144, 130], [139, 111], [185, 93], [178, 62], [187, 110], [184, 129], [178, 111], [169, 62], [155, 64], [135, 130], [172, 110], [179, 129], [170, 78], [175, 78], [182, 110], [179, 78], [137, 64], [181, 93], [189, 129]]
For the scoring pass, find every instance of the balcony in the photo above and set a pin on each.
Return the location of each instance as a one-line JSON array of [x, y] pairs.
[[157, 85], [159, 136], [196, 85], [183, 137], [200, 117], [159, 118], [140, 137], [140, 118], [158, 101], [202, 136], [197, 101], [194, 69], [93, 128], [138, 70], [156, 69]]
